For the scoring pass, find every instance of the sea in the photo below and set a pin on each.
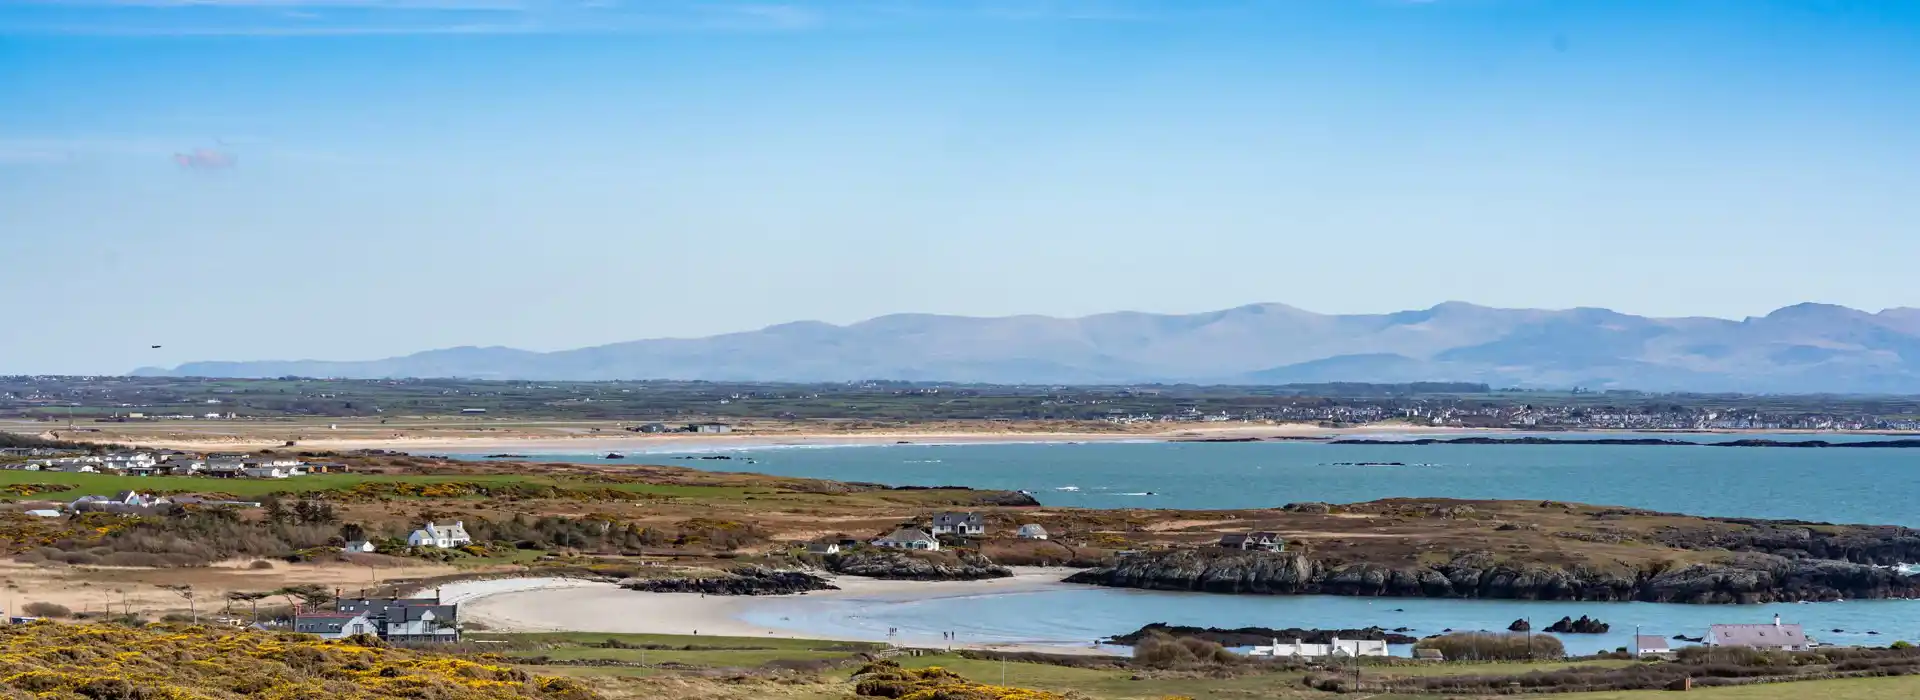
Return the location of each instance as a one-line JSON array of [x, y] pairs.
[[1835, 485]]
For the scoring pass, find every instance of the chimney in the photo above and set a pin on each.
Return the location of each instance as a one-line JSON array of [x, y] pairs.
[[1776, 620]]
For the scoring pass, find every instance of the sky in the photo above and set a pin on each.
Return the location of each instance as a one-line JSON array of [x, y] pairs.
[[354, 179]]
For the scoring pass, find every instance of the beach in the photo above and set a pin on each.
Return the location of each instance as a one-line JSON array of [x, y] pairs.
[[571, 605], [476, 436]]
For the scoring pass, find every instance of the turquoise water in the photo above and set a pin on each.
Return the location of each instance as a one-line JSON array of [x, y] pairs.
[[1878, 486], [1076, 616], [1861, 485]]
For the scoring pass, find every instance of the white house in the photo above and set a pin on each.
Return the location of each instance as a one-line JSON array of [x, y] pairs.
[[334, 625], [1337, 647], [1032, 531], [265, 472], [823, 548], [1774, 637], [358, 547], [1645, 645], [909, 538], [432, 535], [962, 524]]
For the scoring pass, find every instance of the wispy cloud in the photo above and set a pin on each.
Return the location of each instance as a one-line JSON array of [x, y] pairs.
[[354, 17]]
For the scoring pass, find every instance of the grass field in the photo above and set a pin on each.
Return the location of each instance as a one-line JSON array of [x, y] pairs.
[[1900, 688], [714, 652], [85, 484]]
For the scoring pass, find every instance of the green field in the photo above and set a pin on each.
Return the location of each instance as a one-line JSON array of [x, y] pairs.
[[85, 484], [714, 652], [1900, 688]]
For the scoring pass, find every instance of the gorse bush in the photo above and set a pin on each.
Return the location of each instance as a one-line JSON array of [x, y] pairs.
[[1158, 650], [886, 679], [52, 610], [178, 662], [1494, 646]]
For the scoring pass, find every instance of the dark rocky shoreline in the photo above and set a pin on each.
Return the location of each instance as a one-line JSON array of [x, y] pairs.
[[1258, 636], [747, 581], [904, 566], [1746, 578]]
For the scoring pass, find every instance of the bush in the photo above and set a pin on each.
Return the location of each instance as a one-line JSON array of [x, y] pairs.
[[260, 565], [1494, 646], [1901, 644], [1158, 650], [52, 610]]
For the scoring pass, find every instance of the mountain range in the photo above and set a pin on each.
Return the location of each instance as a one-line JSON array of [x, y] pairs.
[[1797, 349]]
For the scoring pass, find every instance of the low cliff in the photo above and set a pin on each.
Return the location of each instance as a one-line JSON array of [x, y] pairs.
[[1738, 578], [916, 566]]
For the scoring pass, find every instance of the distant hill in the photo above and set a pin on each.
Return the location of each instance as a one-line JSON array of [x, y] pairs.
[[1800, 349]]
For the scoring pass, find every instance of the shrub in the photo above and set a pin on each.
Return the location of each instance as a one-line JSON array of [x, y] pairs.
[[1494, 646], [1158, 650], [1901, 644], [260, 565], [51, 610]]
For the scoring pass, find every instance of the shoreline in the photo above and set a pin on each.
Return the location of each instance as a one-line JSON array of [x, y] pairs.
[[588, 443], [575, 605]]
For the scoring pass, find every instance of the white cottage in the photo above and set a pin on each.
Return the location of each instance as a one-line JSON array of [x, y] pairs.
[[443, 536]]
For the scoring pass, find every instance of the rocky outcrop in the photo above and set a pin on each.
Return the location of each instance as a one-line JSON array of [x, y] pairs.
[[1584, 625], [1256, 636], [1747, 578], [1520, 625], [916, 566], [746, 581]]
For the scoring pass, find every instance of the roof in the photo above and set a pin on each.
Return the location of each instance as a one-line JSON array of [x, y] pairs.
[[908, 534], [1649, 641], [957, 519], [1768, 635], [1032, 527]]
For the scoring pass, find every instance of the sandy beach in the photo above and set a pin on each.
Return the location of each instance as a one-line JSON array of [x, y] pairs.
[[566, 605]]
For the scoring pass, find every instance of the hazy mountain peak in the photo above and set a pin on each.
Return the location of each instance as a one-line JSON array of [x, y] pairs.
[[1804, 347]]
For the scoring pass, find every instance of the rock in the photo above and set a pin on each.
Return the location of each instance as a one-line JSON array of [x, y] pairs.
[[1744, 577], [1314, 507], [1260, 636], [745, 581], [1520, 625], [916, 566], [1584, 625]]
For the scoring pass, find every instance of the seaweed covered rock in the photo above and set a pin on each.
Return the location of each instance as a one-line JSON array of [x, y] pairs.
[[746, 581], [916, 566]]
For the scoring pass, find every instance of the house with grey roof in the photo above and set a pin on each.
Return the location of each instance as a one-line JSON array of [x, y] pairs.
[[333, 625], [1254, 541], [959, 524], [1651, 645], [443, 536], [909, 538], [1031, 531], [1774, 637], [403, 620]]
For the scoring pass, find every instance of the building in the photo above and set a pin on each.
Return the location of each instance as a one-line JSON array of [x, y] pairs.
[[265, 472], [653, 428], [709, 428], [909, 538], [1254, 541], [1774, 637], [358, 547], [1651, 645], [432, 535], [1336, 647], [961, 524], [403, 620], [823, 548], [1031, 531], [333, 625], [1429, 654]]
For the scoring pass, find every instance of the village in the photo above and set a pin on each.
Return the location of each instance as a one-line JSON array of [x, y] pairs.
[[218, 465]]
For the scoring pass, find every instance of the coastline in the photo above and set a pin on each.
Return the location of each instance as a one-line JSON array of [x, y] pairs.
[[572, 605], [534, 439]]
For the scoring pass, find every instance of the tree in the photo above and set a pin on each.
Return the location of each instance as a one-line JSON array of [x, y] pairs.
[[352, 532], [185, 590], [308, 594], [252, 598], [276, 511]]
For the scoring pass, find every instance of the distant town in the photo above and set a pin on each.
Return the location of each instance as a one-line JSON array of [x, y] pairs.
[[691, 406]]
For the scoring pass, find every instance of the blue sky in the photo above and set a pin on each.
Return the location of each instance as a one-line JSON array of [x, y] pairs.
[[547, 174]]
